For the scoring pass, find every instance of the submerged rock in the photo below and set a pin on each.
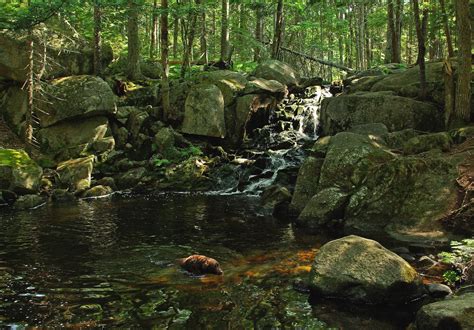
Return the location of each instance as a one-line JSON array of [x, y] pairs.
[[361, 270], [454, 313], [97, 191], [28, 202], [18, 172]]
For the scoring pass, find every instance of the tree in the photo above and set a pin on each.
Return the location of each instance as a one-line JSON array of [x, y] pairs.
[[259, 8], [154, 31], [225, 43], [394, 31], [447, 31], [463, 88], [165, 87], [420, 26], [97, 37], [278, 32], [133, 64]]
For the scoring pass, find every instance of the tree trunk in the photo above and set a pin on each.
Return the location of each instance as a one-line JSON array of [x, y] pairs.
[[225, 47], [278, 32], [390, 32], [203, 38], [447, 31], [258, 31], [397, 40], [463, 87], [190, 41], [154, 31], [28, 134], [175, 35], [165, 87], [133, 68], [420, 25], [97, 38]]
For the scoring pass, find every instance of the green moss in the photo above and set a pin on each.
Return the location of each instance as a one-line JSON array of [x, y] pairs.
[[15, 157]]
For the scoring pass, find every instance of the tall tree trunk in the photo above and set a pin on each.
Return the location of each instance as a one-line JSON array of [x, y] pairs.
[[175, 35], [398, 25], [133, 68], [154, 31], [278, 32], [225, 46], [190, 41], [97, 37], [203, 38], [420, 25], [390, 32], [463, 86], [447, 31], [28, 134], [258, 31], [165, 87]]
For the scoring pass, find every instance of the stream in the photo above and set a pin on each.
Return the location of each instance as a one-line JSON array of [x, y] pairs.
[[112, 262]]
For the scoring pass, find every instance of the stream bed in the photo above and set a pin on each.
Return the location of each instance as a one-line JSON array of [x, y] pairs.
[[112, 262]]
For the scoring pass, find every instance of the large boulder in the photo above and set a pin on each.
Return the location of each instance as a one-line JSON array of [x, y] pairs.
[[14, 108], [264, 86], [18, 173], [279, 71], [454, 313], [71, 139], [204, 112], [250, 112], [75, 97], [68, 54], [75, 174], [397, 113], [229, 82], [306, 183], [361, 270]]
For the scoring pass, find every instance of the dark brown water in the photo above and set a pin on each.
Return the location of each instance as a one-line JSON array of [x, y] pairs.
[[112, 262]]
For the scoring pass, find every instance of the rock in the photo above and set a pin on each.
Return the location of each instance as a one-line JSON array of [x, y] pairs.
[[165, 142], [75, 174], [68, 53], [454, 313], [320, 147], [27, 202], [422, 143], [121, 136], [462, 134], [395, 112], [75, 97], [348, 157], [251, 112], [376, 129], [71, 139], [107, 181], [131, 178], [306, 82], [151, 69], [62, 195], [324, 209], [229, 82], [438, 290], [137, 122], [279, 71], [306, 183], [264, 86], [204, 112], [361, 270], [97, 191], [103, 145], [14, 108], [8, 197], [18, 173], [396, 140], [275, 195]]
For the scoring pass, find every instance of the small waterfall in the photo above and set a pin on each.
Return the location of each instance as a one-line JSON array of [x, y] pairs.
[[277, 147]]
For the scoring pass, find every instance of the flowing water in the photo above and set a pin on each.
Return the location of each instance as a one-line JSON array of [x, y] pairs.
[[112, 262]]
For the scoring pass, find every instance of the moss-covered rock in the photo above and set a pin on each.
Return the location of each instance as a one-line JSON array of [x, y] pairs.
[[230, 83], [204, 112], [75, 97], [130, 178], [27, 202], [279, 71], [454, 313], [324, 210], [361, 270], [18, 172], [395, 112], [97, 191], [306, 183], [422, 143], [75, 174]]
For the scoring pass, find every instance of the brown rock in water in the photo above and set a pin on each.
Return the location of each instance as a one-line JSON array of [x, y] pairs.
[[199, 264]]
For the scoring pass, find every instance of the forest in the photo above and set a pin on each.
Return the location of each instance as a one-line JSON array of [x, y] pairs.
[[239, 164]]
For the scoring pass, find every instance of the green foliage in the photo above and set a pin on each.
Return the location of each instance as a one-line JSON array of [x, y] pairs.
[[245, 66], [174, 156], [451, 277], [460, 258]]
